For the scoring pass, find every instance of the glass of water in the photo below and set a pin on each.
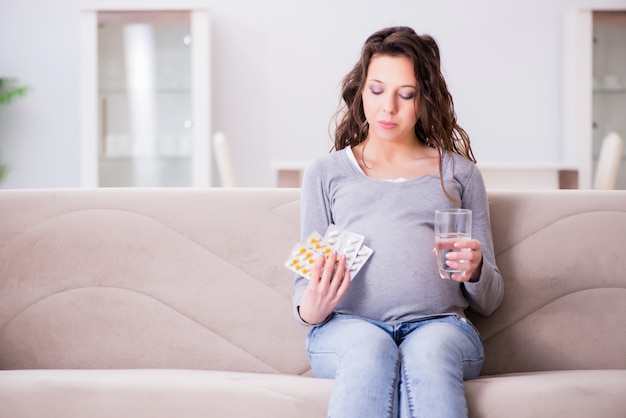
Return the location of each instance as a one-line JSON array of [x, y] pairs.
[[451, 225]]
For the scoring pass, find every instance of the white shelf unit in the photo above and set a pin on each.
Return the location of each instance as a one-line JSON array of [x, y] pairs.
[[594, 86], [172, 156]]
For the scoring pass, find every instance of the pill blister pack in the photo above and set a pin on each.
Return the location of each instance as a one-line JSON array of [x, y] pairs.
[[303, 255]]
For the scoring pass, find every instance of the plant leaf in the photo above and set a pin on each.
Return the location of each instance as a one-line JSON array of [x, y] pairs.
[[10, 90]]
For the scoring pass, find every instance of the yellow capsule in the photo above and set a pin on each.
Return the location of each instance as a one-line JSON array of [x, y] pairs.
[[297, 266], [305, 271]]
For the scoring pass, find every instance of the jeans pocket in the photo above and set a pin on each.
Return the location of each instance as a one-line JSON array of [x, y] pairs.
[[472, 334], [468, 322]]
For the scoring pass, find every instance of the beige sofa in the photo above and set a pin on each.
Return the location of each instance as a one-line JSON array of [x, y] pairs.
[[174, 303]]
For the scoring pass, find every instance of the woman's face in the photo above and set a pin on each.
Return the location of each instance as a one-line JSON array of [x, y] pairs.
[[389, 98]]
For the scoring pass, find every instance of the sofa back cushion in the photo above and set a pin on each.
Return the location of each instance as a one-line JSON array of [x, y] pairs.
[[194, 278], [562, 259], [149, 278]]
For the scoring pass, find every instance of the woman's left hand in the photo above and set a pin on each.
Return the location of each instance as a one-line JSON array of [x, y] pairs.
[[469, 261]]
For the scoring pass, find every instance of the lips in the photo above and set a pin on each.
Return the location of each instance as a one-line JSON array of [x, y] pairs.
[[386, 124]]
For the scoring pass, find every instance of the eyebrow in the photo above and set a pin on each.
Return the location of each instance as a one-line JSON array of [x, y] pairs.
[[404, 85]]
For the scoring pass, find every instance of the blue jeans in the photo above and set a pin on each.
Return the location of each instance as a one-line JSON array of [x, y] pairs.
[[412, 369]]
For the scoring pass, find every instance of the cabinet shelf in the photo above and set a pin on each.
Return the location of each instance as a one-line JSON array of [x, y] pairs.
[[157, 91], [609, 90], [130, 158]]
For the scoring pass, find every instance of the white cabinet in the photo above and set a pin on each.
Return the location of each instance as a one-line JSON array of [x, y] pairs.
[[609, 82], [146, 95], [594, 86]]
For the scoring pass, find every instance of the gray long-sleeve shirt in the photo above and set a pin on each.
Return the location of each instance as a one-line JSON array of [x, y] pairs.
[[400, 281]]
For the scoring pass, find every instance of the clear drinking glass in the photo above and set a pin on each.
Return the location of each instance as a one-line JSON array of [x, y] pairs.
[[451, 225]]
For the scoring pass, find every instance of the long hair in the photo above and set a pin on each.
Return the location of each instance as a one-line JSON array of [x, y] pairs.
[[436, 124]]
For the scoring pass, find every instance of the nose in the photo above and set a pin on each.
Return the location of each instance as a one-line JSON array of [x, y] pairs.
[[389, 106]]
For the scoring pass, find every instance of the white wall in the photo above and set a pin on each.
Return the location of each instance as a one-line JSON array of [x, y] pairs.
[[277, 65]]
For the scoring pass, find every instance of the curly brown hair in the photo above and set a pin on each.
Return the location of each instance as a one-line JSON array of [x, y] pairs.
[[436, 124]]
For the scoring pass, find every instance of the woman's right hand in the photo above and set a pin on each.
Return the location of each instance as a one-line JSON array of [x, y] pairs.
[[326, 287]]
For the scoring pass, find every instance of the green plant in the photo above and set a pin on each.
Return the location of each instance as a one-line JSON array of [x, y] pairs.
[[9, 91]]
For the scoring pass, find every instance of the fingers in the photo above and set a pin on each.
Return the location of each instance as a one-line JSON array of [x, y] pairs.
[[326, 287], [329, 267], [466, 250], [329, 272], [338, 281], [472, 244], [468, 258], [316, 270], [345, 284]]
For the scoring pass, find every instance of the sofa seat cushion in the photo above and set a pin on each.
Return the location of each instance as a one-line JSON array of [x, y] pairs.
[[167, 393], [571, 394], [160, 393]]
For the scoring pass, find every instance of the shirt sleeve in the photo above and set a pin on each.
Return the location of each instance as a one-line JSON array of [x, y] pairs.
[[315, 216], [485, 295]]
